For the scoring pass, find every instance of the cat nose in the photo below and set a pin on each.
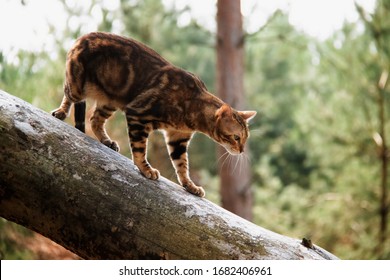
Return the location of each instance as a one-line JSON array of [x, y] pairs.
[[241, 149]]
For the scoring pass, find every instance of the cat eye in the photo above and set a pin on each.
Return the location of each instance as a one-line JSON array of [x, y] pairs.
[[236, 137]]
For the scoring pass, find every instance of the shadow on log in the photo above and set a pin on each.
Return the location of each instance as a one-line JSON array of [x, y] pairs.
[[65, 185]]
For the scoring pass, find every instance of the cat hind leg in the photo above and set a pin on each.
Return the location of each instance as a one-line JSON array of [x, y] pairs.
[[98, 120], [63, 111], [69, 98]]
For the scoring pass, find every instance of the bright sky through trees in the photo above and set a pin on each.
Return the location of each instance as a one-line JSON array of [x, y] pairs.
[[26, 27]]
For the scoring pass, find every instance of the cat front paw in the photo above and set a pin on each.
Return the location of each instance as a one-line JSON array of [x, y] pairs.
[[59, 114], [150, 173], [111, 144], [194, 189]]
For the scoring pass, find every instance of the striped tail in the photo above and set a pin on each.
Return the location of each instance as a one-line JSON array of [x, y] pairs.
[[79, 115]]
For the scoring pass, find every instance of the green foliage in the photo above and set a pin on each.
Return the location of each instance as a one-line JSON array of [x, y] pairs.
[[34, 77], [319, 168], [10, 248], [314, 159], [275, 87]]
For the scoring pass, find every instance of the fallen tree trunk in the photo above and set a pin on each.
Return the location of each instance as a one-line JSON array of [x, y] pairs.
[[63, 184]]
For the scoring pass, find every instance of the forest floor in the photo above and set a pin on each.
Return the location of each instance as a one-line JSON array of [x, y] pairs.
[[42, 248], [45, 249]]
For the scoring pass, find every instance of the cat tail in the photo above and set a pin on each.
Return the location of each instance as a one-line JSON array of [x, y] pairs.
[[79, 115]]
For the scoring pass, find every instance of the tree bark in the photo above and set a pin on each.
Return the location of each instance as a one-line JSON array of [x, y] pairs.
[[235, 186], [65, 185], [384, 158]]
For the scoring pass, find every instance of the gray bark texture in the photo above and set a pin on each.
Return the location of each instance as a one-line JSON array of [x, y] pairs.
[[93, 201]]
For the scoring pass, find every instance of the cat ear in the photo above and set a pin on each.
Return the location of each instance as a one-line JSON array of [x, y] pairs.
[[224, 111], [247, 115]]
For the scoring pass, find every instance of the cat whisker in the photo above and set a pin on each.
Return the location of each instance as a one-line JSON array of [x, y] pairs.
[[221, 157], [227, 156], [242, 162], [237, 161], [257, 131], [247, 158]]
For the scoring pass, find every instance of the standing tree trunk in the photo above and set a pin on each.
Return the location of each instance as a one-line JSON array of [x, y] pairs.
[[235, 186]]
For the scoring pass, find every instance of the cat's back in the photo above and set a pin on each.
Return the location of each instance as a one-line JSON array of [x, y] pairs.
[[107, 45], [116, 66]]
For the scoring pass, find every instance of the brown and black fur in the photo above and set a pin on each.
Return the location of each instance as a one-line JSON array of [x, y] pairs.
[[121, 73]]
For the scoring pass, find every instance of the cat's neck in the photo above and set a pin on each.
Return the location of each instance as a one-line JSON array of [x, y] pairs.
[[202, 116]]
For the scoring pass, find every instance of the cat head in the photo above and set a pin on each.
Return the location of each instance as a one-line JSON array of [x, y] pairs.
[[232, 128]]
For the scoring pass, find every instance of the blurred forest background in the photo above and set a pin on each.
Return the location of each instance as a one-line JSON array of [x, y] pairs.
[[319, 145]]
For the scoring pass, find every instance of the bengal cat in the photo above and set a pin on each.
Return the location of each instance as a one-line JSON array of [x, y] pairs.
[[122, 73]]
